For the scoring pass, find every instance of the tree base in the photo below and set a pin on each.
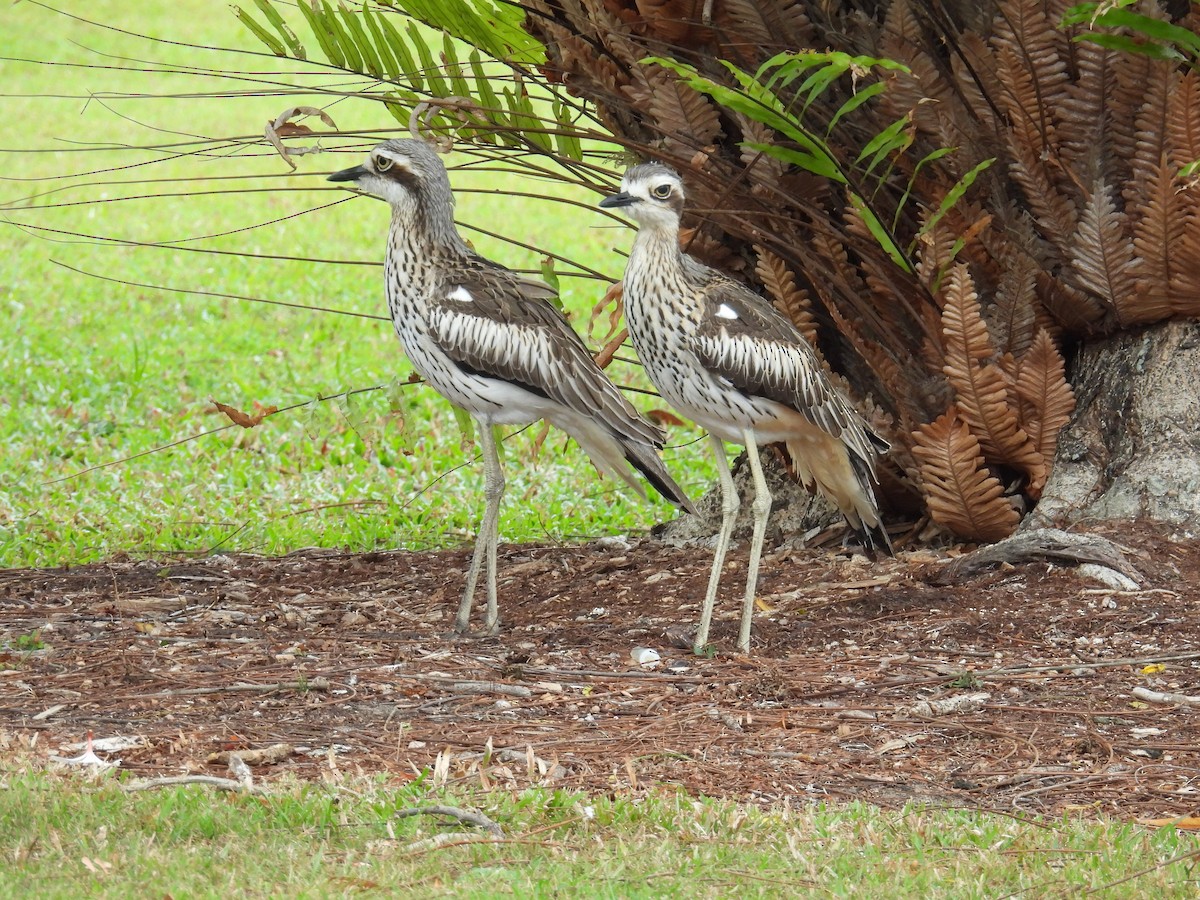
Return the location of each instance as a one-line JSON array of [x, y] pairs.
[[1132, 448], [794, 511]]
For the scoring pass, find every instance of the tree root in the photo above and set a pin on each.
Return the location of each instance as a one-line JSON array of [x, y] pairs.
[[1037, 544]]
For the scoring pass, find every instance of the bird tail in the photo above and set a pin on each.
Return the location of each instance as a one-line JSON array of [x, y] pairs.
[[846, 479], [613, 454], [646, 460]]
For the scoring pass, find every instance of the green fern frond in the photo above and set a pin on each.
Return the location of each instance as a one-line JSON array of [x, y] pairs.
[[492, 27]]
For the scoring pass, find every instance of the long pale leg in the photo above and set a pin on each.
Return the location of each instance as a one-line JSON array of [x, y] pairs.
[[762, 511], [485, 541], [729, 511]]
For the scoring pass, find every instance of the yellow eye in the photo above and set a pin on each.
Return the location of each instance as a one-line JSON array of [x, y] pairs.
[[382, 163], [662, 191]]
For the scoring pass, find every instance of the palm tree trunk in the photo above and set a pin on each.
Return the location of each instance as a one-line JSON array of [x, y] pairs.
[[1132, 448]]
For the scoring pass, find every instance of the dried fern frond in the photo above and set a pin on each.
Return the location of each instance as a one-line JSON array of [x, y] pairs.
[[1012, 315], [885, 368], [1133, 74], [961, 494], [1158, 230], [750, 31], [923, 90], [1055, 211], [594, 75], [763, 167], [710, 250], [979, 384], [679, 113], [1032, 69], [1071, 308], [780, 282], [1102, 257], [935, 250], [1047, 399], [673, 21], [969, 222], [1183, 121], [1183, 147], [1087, 113], [974, 67], [1150, 137], [833, 252]]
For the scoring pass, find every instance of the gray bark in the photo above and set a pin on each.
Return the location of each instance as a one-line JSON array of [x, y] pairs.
[[1132, 448]]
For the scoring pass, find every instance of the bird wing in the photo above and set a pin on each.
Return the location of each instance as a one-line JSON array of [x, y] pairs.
[[502, 326], [743, 339]]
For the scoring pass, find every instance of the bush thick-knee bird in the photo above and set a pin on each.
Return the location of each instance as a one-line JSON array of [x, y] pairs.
[[490, 342], [728, 360]]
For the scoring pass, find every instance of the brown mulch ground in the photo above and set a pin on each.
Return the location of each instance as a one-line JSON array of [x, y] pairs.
[[345, 660]]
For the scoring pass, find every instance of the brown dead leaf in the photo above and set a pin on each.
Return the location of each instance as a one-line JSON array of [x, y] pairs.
[[609, 350], [283, 126], [96, 866], [237, 417], [666, 417], [293, 129], [1185, 823], [614, 297]]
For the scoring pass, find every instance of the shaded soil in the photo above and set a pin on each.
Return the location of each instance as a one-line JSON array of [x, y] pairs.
[[345, 660]]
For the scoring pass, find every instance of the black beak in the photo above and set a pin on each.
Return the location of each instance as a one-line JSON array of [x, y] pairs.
[[621, 199], [348, 174]]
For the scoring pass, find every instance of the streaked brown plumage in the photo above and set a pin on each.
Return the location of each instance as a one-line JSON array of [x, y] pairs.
[[490, 342], [728, 360]]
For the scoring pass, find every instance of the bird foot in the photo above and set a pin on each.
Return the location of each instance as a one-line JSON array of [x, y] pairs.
[[469, 635], [683, 638]]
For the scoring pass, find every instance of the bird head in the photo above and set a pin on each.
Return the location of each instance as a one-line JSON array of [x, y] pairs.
[[402, 172], [652, 194]]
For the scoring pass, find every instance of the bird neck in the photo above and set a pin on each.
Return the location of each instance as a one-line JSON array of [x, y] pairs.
[[413, 228], [661, 243]]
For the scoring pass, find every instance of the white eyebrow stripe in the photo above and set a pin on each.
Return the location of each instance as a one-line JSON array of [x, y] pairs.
[[461, 294], [725, 311]]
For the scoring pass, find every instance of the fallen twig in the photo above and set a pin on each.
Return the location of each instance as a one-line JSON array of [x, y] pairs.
[[644, 674], [314, 684], [1159, 697], [221, 784], [449, 839], [262, 756], [959, 704], [1100, 664], [452, 683], [490, 687], [462, 815]]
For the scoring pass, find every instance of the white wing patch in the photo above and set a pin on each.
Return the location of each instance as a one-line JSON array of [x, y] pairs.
[[725, 311], [461, 294]]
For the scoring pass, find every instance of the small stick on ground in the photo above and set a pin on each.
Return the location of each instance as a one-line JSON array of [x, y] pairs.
[[220, 784], [490, 687], [1159, 697], [462, 815]]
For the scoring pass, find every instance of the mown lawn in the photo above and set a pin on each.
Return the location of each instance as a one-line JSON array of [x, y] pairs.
[[67, 836]]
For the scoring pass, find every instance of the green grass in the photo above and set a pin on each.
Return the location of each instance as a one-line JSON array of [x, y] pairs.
[[65, 836], [94, 371]]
